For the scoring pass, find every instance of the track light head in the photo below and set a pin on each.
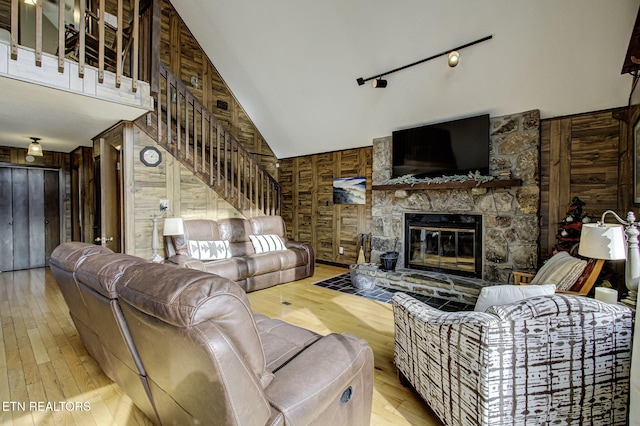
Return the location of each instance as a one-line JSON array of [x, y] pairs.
[[379, 83], [454, 58]]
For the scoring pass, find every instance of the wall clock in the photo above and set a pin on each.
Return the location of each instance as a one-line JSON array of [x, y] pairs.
[[150, 156]]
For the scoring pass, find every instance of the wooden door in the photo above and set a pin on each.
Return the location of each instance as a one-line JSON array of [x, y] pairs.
[[29, 217], [110, 196]]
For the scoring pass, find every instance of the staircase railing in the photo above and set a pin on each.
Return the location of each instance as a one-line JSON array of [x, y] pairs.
[[190, 132]]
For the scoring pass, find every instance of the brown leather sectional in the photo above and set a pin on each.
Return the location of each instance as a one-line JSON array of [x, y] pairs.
[[186, 347], [251, 270]]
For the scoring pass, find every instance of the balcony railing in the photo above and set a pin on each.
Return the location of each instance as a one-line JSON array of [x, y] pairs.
[[103, 34]]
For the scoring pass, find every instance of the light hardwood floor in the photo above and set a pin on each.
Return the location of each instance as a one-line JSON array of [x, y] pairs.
[[47, 377]]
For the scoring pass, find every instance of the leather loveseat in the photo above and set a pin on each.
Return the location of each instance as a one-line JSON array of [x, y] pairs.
[[232, 249], [185, 346]]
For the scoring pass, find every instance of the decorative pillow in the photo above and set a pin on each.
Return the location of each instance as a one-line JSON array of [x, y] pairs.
[[506, 294], [562, 269], [267, 242], [209, 250]]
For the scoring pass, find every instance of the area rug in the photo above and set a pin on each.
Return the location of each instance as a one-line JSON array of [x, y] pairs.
[[342, 283]]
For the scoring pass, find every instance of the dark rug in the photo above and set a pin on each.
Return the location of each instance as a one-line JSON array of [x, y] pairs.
[[342, 283]]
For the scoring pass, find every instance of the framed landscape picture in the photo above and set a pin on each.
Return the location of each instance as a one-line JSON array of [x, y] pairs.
[[351, 190]]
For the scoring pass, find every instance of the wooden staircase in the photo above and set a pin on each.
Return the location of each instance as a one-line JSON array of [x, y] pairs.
[[188, 131]]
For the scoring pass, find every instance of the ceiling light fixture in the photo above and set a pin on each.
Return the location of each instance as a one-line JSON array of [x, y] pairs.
[[454, 58], [31, 2], [35, 149], [379, 83], [452, 62]]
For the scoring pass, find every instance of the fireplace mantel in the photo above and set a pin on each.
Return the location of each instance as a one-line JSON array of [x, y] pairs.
[[496, 183]]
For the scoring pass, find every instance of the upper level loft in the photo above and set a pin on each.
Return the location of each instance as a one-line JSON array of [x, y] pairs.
[[84, 47]]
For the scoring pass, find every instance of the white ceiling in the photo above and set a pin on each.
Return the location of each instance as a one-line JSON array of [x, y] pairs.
[[63, 120], [293, 64]]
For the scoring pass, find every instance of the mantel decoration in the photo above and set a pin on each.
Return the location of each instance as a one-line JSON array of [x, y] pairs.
[[412, 180]]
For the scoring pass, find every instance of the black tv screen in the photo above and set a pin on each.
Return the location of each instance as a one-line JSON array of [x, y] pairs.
[[442, 149]]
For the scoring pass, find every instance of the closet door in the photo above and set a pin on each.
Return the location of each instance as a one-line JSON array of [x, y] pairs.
[[29, 217], [6, 220]]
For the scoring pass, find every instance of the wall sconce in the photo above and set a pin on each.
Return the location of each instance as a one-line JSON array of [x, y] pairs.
[[35, 149], [454, 59]]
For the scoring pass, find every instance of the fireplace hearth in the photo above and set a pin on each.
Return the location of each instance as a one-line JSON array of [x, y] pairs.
[[449, 243]]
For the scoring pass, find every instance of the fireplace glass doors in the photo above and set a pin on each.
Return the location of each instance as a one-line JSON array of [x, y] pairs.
[[445, 243]]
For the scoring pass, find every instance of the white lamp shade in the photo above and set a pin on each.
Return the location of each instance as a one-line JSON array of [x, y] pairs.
[[173, 226], [603, 241]]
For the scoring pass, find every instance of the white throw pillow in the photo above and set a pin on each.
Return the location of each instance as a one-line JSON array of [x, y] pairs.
[[209, 250], [562, 269], [505, 294], [267, 242]]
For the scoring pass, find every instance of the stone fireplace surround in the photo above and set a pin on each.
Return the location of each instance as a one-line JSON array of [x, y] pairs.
[[509, 214]]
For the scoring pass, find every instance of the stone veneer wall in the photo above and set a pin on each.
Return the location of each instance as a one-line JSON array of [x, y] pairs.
[[510, 215]]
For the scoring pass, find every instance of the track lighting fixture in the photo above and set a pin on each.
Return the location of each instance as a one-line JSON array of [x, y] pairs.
[[379, 83], [35, 149], [453, 60]]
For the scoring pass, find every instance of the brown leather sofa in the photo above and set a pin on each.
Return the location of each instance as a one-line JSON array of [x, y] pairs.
[[251, 270], [189, 341]]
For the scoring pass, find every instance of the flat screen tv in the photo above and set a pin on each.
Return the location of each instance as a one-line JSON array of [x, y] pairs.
[[443, 149]]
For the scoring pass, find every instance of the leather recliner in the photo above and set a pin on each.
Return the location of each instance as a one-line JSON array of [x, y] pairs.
[[206, 358]]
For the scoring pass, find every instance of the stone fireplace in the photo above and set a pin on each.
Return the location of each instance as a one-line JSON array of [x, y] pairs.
[[449, 243], [508, 215]]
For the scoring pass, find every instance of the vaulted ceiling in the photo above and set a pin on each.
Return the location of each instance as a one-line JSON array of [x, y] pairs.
[[293, 64]]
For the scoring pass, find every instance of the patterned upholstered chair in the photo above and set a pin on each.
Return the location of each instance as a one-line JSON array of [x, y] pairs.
[[555, 359]]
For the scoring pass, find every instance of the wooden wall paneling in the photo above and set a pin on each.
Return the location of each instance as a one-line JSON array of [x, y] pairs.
[[127, 170], [545, 165], [337, 214], [325, 212], [6, 219], [628, 120]]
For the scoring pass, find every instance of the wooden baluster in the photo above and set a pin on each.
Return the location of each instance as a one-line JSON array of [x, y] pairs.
[[14, 29], [170, 91], [211, 177], [39, 33], [134, 45], [203, 132], [186, 126], [61, 34], [226, 164], [81, 39], [101, 43], [119, 46], [178, 121], [195, 140], [219, 142]]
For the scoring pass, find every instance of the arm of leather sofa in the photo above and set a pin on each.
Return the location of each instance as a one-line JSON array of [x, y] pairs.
[[185, 261], [310, 253], [332, 380]]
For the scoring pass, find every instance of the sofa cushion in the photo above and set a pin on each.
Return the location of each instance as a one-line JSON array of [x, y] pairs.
[[505, 294], [562, 269], [209, 250], [266, 243]]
